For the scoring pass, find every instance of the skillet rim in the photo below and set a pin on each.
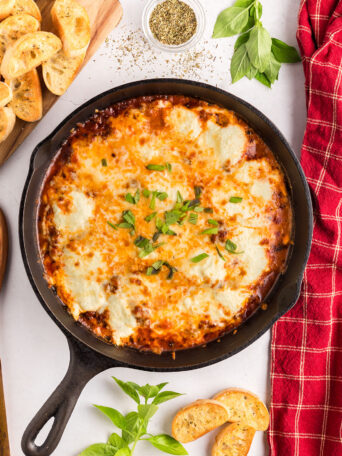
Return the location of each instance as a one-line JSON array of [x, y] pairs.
[[69, 333]]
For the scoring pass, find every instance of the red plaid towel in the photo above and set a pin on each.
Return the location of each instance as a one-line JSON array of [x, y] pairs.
[[306, 363]]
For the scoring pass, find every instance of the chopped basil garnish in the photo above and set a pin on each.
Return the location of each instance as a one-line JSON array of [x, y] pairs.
[[172, 217], [115, 227], [179, 197], [104, 162], [153, 201], [156, 268], [128, 221], [210, 231], [133, 199], [198, 191], [168, 166], [146, 246], [154, 167], [146, 193], [219, 253], [193, 218], [162, 196], [231, 247], [213, 222], [150, 217], [235, 199], [198, 209], [208, 210], [199, 257]]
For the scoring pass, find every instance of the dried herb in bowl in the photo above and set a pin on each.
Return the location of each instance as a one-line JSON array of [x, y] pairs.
[[173, 22]]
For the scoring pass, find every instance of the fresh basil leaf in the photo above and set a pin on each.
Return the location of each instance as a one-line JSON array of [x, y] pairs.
[[167, 444], [133, 422], [240, 63], [230, 22], [244, 3], [146, 411], [284, 53], [199, 258], [251, 72], [148, 391], [116, 441], [128, 388], [123, 452], [272, 70], [114, 415], [209, 231], [154, 167], [261, 77], [256, 13], [165, 396], [162, 385], [235, 199], [241, 40], [259, 47], [99, 449], [150, 217]]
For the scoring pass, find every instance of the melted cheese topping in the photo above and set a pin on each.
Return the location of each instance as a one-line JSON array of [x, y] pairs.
[[96, 268]]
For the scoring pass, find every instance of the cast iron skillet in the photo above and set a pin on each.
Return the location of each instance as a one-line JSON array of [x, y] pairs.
[[89, 355]]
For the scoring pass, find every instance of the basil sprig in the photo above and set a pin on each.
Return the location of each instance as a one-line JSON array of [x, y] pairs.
[[256, 54], [133, 425]]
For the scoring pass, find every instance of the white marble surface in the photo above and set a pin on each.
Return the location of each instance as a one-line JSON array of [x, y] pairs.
[[33, 351]]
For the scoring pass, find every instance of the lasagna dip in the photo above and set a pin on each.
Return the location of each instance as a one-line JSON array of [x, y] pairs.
[[164, 221]]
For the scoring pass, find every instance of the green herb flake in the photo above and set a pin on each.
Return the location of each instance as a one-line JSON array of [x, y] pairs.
[[235, 199], [168, 167], [104, 162], [162, 196], [153, 201], [129, 198], [198, 191], [219, 253], [210, 231], [146, 193], [179, 197], [115, 227], [193, 218], [154, 167], [231, 247], [199, 257], [208, 210], [213, 222], [150, 217]]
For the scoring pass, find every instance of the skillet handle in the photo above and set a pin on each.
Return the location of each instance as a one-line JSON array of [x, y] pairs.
[[83, 366]]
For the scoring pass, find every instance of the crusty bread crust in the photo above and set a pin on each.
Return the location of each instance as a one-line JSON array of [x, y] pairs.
[[28, 52], [13, 28], [234, 440], [72, 23], [27, 6], [59, 71], [245, 407], [7, 122], [5, 94], [6, 7], [198, 418], [27, 96]]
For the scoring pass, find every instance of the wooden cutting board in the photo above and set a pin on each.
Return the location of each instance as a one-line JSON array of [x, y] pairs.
[[104, 16]]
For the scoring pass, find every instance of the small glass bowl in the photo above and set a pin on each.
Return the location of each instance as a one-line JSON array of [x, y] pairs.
[[200, 16]]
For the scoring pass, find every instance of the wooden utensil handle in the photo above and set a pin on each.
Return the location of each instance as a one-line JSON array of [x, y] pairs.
[[4, 444]]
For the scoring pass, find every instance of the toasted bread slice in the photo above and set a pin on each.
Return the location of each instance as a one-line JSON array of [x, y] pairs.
[[5, 94], [7, 122], [234, 440], [27, 6], [197, 419], [28, 52], [27, 96], [72, 24], [244, 407], [13, 28], [6, 7], [59, 71]]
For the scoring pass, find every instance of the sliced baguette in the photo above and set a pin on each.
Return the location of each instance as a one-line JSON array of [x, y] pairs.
[[59, 71], [28, 52], [6, 7], [234, 440], [245, 407], [5, 94], [27, 96], [13, 28], [197, 419], [71, 21], [27, 6], [7, 121]]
